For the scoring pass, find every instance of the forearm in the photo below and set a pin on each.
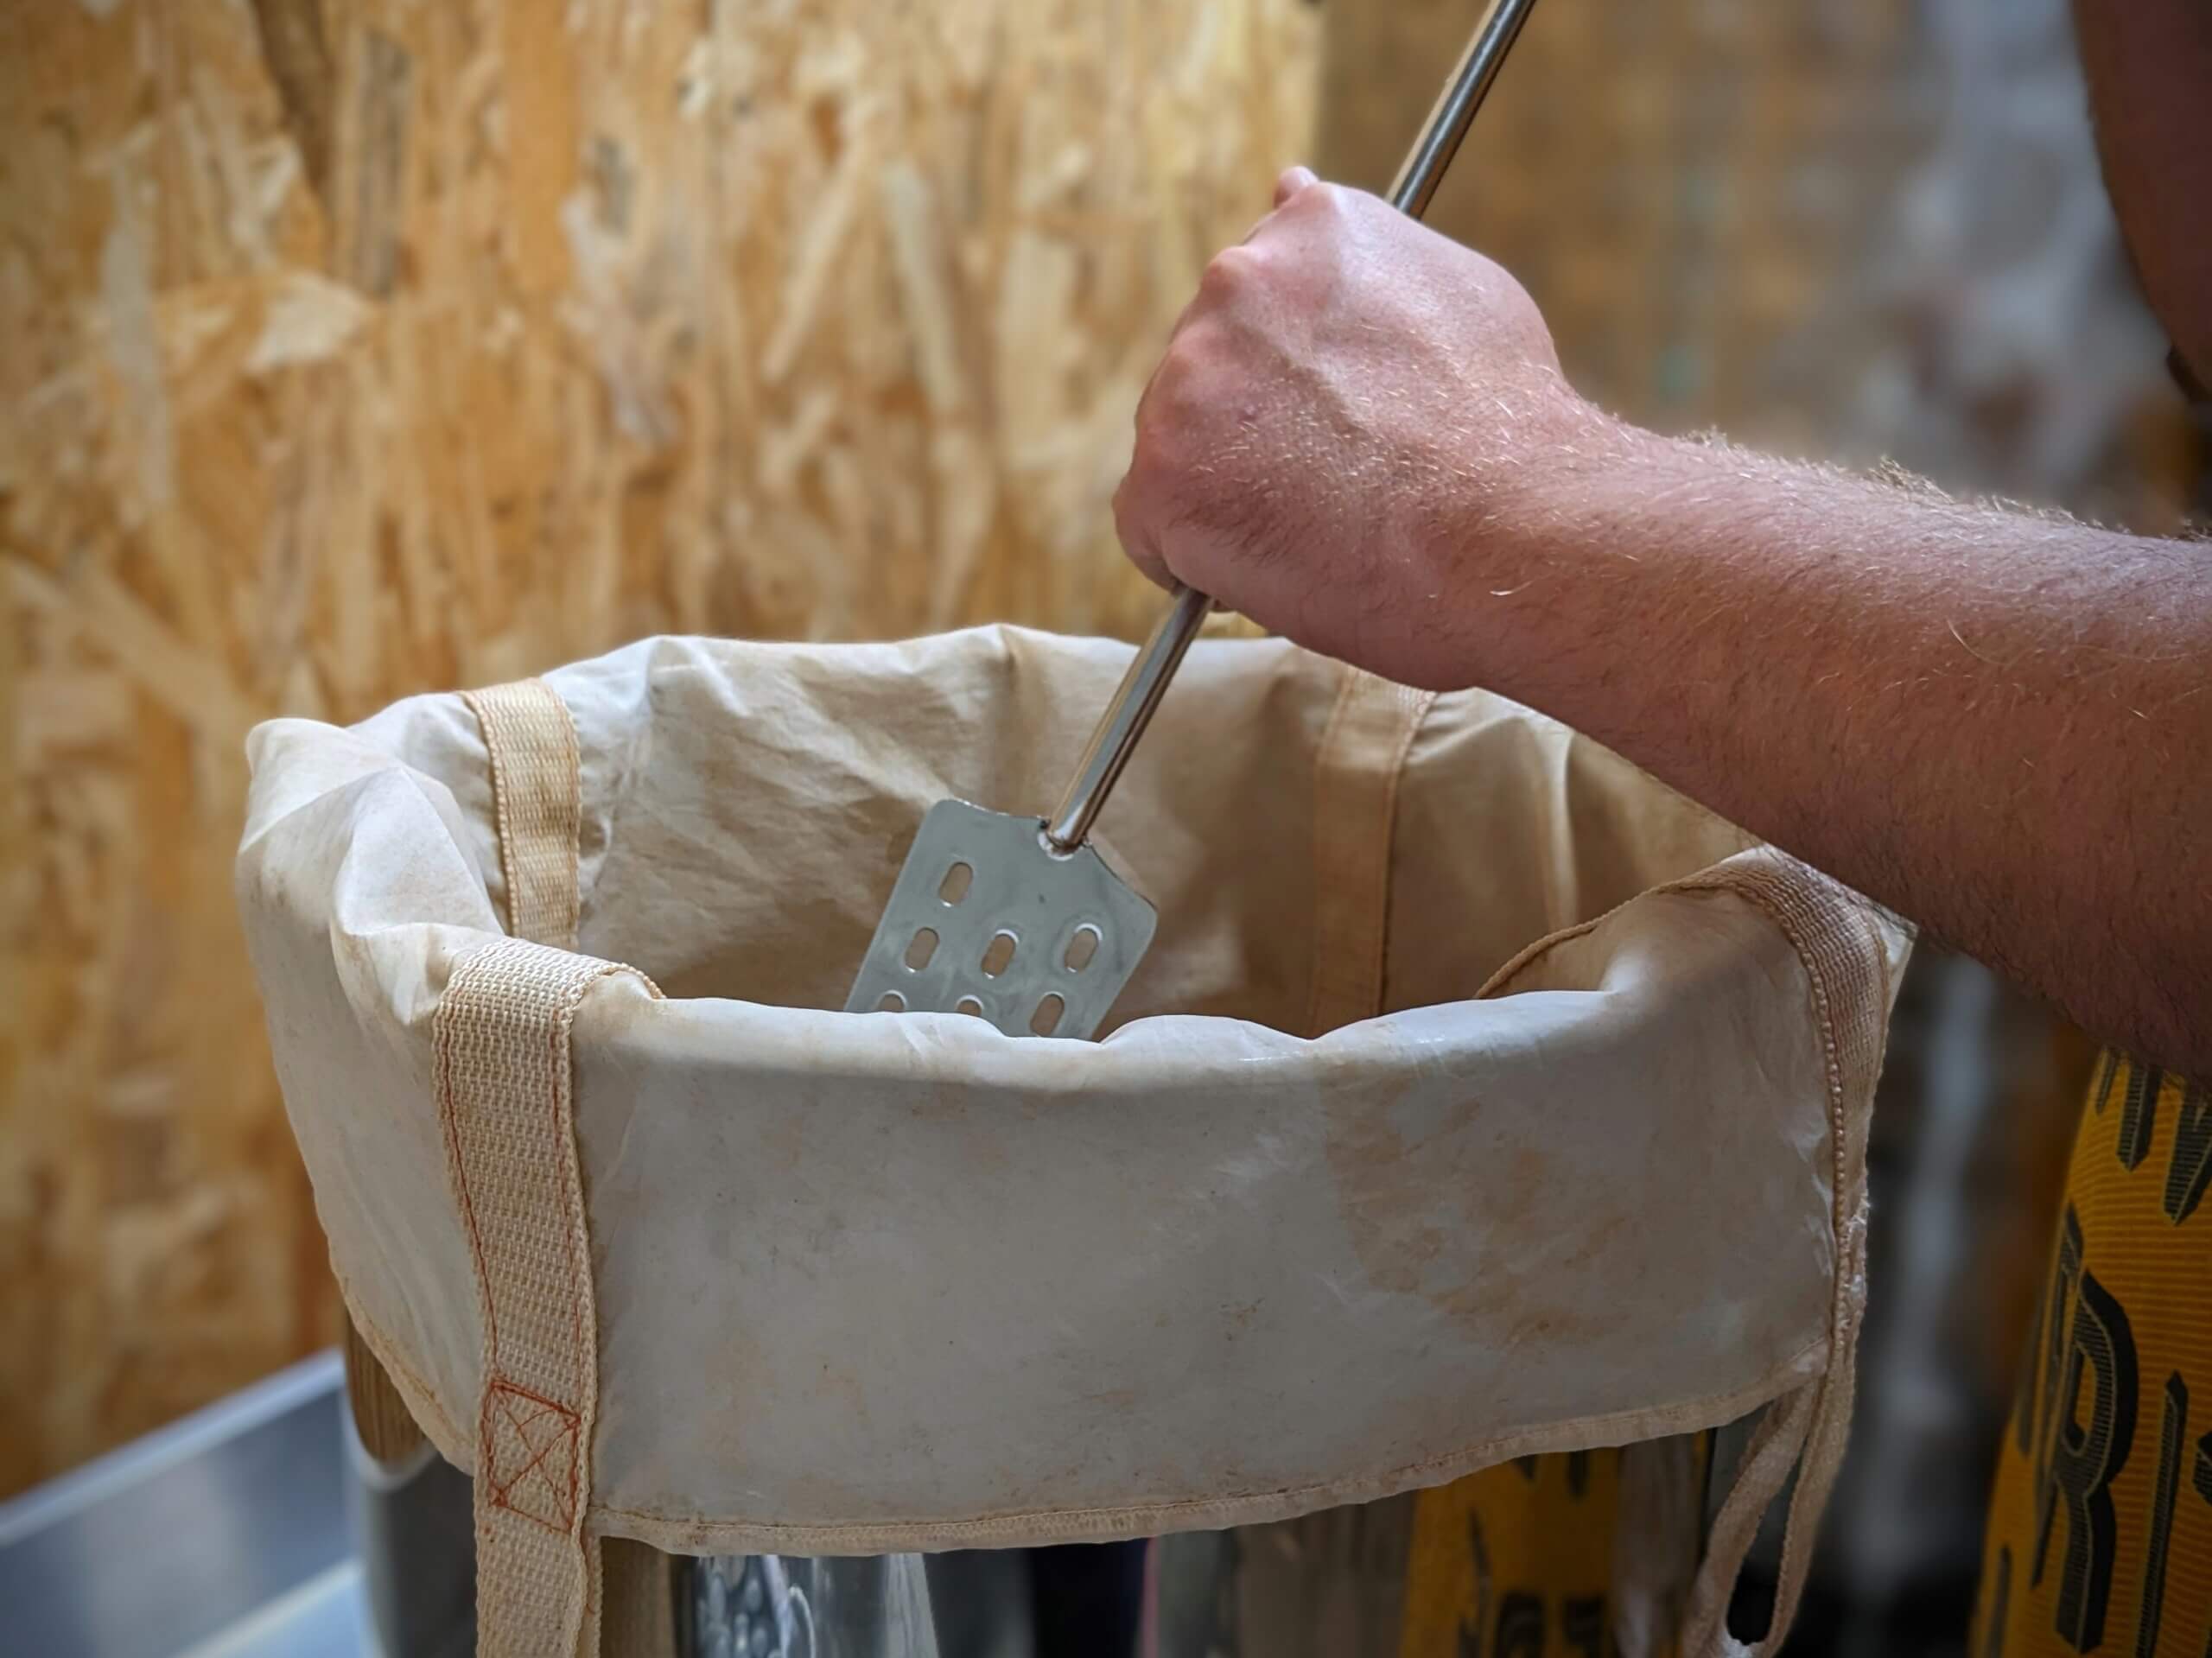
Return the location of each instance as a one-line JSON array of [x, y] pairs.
[[1997, 724], [1360, 436]]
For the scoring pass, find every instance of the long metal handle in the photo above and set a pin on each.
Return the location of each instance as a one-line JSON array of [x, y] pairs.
[[1126, 716], [1447, 124], [1147, 681]]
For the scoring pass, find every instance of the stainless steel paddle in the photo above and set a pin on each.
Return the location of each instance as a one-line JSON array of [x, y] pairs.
[[1015, 918]]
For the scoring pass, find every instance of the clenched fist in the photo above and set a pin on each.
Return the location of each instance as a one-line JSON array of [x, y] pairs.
[[1351, 436]]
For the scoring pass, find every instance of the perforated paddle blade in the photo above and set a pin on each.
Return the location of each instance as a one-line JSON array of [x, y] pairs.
[[988, 919]]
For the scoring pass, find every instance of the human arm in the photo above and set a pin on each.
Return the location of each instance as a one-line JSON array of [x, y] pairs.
[[1998, 723]]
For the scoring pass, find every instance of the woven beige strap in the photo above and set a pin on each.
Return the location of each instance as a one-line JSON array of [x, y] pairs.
[[1846, 971], [1361, 756], [538, 800], [1334, 1581], [506, 1100]]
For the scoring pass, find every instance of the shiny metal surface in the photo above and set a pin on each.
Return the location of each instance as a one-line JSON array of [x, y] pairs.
[[1038, 881], [1041, 900], [1127, 715], [1447, 124], [1070, 882], [413, 1523], [186, 1541], [785, 1606], [322, 1618]]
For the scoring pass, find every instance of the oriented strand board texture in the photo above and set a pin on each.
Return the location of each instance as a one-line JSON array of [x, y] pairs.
[[350, 348]]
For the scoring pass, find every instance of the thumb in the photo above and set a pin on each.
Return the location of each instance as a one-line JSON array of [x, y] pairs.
[[1294, 180]]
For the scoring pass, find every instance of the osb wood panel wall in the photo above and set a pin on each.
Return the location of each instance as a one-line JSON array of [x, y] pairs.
[[349, 349], [353, 347]]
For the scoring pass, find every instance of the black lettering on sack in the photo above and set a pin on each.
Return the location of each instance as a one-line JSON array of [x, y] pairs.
[[1582, 1625], [1470, 1634], [2000, 1604], [1577, 1473], [2191, 1171], [1527, 1467], [2023, 1384], [2200, 1477], [1520, 1626], [2173, 1425], [2085, 1459], [2138, 1114], [2100, 1091], [2057, 1313]]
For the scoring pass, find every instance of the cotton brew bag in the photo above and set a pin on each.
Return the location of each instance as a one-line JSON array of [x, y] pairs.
[[1479, 1097]]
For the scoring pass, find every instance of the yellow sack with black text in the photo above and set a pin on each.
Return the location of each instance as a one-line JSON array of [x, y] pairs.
[[1478, 1097]]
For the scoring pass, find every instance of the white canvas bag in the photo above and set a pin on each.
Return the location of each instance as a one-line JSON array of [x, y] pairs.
[[1479, 1097]]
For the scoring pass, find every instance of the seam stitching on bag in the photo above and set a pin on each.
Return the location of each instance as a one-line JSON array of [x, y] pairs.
[[503, 1000], [1800, 904], [419, 1396], [1325, 782], [1356, 792], [562, 1013], [1811, 913], [1789, 910], [502, 1485], [505, 1081], [1647, 1421], [1413, 710]]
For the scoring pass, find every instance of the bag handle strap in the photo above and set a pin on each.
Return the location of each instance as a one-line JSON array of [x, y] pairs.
[[1362, 757], [1806, 1430], [505, 1094], [1338, 1567], [537, 806]]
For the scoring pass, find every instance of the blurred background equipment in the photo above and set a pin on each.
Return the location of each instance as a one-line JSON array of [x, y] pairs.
[[354, 347]]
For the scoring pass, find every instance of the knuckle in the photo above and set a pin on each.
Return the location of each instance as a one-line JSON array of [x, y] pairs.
[[1161, 407], [1231, 272], [1128, 510], [1151, 453], [1177, 386], [1325, 200]]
